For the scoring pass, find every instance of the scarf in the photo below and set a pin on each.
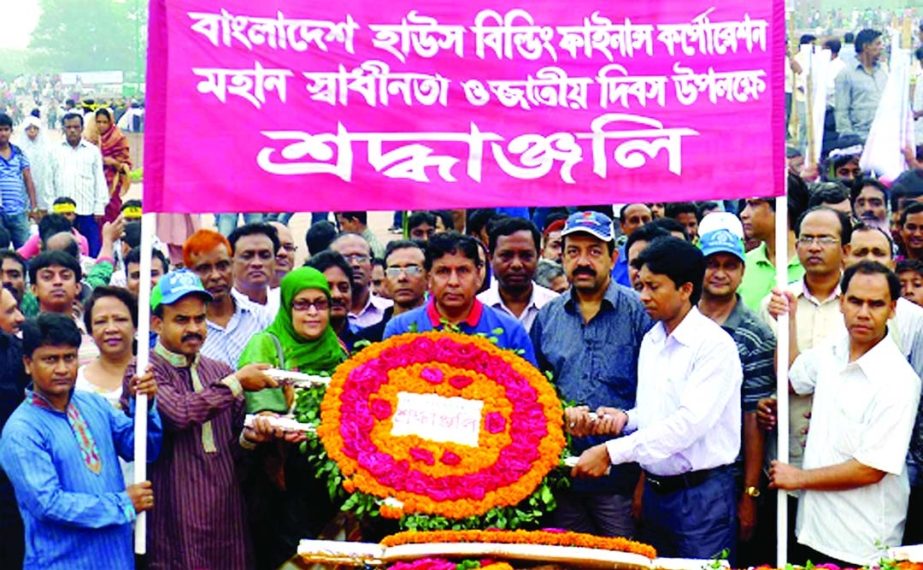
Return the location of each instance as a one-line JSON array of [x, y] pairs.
[[113, 143], [32, 147], [320, 355], [89, 453]]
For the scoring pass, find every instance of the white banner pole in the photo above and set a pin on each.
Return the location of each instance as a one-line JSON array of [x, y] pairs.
[[782, 356], [148, 228]]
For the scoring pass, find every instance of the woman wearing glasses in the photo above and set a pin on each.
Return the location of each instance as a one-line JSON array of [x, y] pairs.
[[286, 501]]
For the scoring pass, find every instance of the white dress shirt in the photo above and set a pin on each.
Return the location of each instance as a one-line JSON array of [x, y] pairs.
[[687, 412], [818, 322], [273, 301], [540, 297], [863, 410], [77, 173]]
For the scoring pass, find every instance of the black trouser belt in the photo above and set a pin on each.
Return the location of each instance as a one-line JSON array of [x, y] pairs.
[[664, 484]]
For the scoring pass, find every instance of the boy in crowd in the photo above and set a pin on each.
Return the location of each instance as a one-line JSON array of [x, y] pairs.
[[910, 272]]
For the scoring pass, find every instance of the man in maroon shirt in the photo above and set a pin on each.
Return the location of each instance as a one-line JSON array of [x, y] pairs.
[[200, 522]]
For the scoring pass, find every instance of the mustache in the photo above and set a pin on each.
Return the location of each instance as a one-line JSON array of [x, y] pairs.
[[585, 271], [193, 336]]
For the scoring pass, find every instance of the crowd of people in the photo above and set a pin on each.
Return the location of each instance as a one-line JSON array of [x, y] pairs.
[[839, 19], [658, 328], [657, 324]]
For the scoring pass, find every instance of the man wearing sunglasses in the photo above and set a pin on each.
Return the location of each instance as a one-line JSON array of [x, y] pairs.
[[405, 282]]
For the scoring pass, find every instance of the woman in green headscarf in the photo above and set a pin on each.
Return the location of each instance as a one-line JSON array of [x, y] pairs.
[[286, 501], [299, 339]]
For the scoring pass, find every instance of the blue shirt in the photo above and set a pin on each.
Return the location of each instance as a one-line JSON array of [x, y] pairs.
[[74, 518], [594, 364], [12, 185], [620, 269], [481, 319]]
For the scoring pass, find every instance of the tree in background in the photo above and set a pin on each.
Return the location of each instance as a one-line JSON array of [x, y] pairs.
[[90, 35]]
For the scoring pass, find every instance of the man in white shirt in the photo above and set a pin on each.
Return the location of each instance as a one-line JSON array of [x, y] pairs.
[[254, 248], [513, 246], [684, 430], [77, 173], [834, 68], [854, 478]]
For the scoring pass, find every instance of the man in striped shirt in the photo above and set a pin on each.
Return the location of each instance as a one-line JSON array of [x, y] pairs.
[[724, 270], [77, 173], [231, 320], [200, 522], [15, 182]]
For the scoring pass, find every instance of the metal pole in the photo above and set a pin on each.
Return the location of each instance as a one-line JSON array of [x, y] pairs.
[[148, 227], [782, 356]]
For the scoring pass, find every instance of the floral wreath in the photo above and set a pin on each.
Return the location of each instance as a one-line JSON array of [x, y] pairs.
[[519, 437], [546, 537]]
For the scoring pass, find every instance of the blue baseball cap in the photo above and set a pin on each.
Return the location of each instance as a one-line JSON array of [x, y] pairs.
[[175, 285], [594, 223], [722, 241]]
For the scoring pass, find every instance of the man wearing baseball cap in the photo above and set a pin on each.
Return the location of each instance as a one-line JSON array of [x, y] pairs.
[[725, 261], [200, 521], [589, 339]]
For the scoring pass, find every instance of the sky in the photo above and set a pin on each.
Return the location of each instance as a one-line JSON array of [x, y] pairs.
[[19, 19]]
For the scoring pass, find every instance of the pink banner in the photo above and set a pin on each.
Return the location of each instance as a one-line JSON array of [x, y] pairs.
[[398, 104]]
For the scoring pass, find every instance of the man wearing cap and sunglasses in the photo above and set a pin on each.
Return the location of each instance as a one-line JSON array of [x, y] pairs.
[[588, 339], [200, 520], [725, 260]]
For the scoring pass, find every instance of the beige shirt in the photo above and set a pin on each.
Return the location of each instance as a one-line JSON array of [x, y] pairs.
[[816, 320]]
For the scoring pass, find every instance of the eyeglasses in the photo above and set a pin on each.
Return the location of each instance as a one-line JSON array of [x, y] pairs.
[[357, 257], [825, 241], [410, 271], [302, 306]]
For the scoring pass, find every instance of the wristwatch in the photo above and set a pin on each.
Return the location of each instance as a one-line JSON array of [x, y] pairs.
[[752, 492]]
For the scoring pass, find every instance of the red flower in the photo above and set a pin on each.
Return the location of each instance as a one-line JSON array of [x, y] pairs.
[[432, 375], [460, 382], [381, 409], [450, 458], [494, 422], [423, 455]]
